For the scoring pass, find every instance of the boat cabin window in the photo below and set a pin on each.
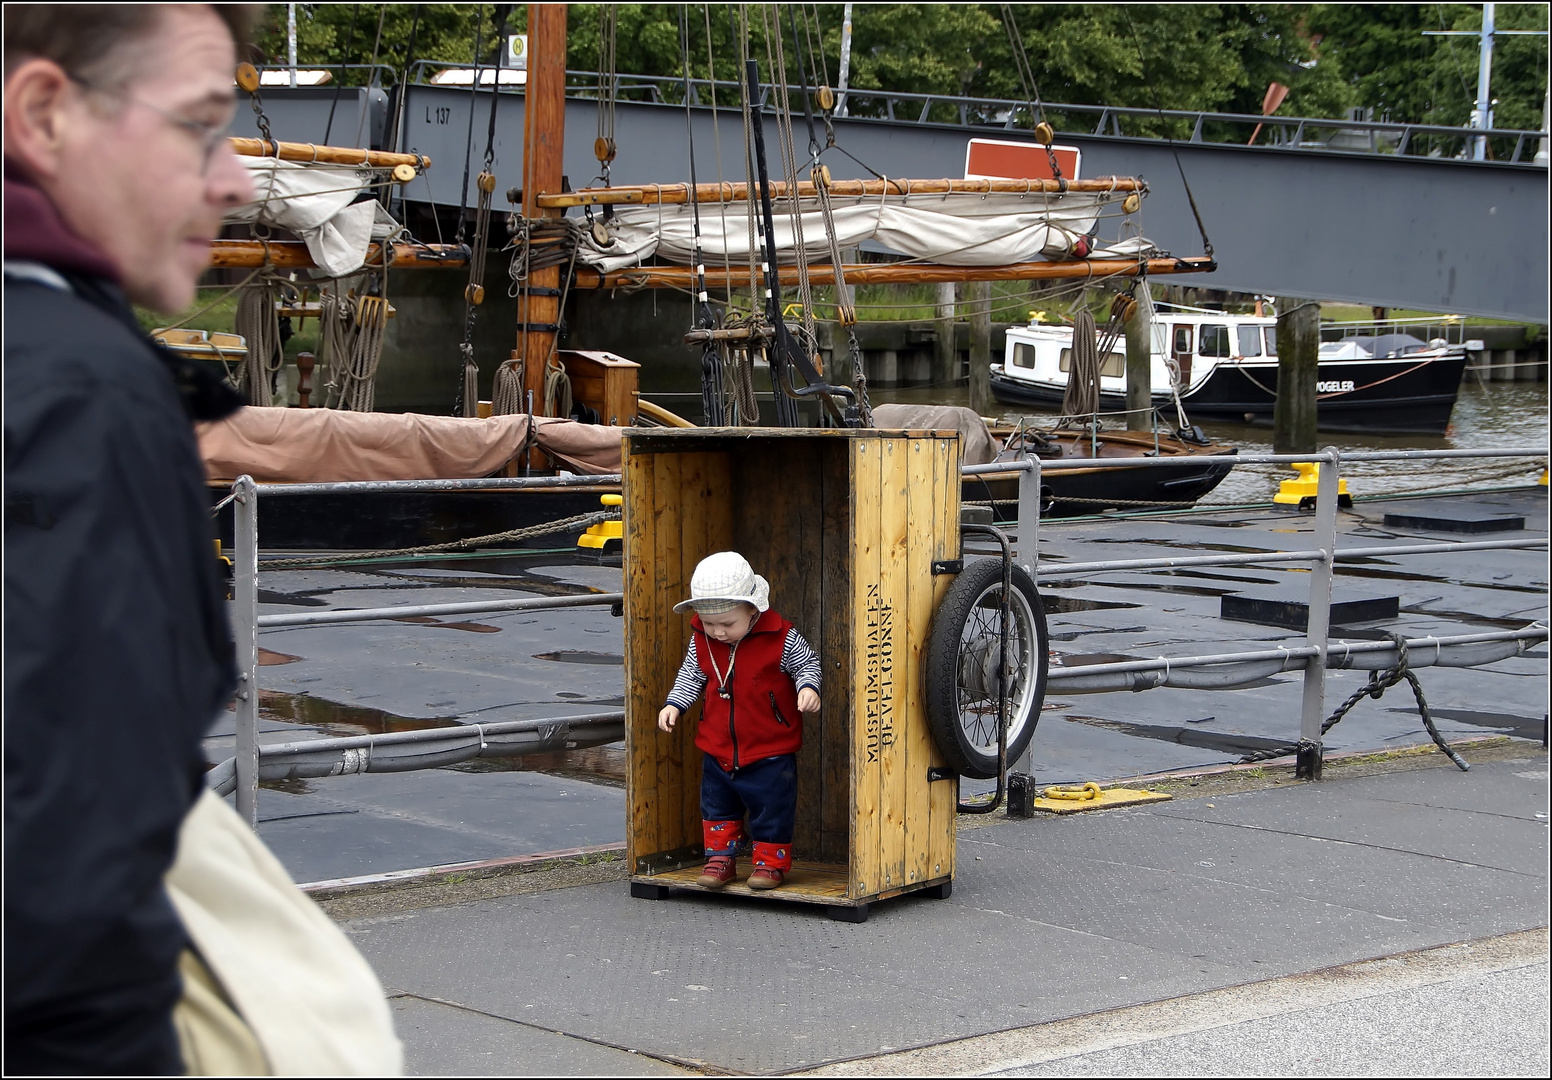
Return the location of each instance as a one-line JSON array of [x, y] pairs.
[[1182, 340], [1113, 366], [1249, 341], [1023, 354], [1271, 340], [1215, 340]]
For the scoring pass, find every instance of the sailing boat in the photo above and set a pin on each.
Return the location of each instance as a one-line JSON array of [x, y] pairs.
[[656, 236]]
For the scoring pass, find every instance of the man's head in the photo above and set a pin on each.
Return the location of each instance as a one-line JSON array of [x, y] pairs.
[[118, 113]]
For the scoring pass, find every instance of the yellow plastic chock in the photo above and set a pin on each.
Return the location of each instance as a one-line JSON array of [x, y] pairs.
[[1071, 800], [598, 536], [1543, 480], [1302, 490]]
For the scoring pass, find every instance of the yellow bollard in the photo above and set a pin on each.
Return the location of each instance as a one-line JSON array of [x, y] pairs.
[[598, 536], [1302, 490]]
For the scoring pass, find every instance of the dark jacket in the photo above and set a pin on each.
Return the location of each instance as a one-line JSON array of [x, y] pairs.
[[118, 656], [758, 716]]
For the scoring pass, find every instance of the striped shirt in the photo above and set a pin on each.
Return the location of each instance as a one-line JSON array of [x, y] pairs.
[[798, 659]]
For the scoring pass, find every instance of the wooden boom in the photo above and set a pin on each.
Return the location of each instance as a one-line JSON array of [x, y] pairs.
[[292, 255], [652, 194], [683, 277], [326, 155]]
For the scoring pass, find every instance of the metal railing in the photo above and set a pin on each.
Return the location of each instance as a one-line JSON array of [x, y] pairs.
[[1099, 121], [396, 751], [429, 748], [1317, 654]]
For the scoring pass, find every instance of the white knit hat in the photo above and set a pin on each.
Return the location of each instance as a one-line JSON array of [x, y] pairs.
[[723, 581]]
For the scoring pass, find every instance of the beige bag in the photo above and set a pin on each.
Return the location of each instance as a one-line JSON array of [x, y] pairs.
[[310, 999]]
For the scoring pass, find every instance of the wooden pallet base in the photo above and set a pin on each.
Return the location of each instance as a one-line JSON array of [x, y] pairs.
[[807, 883]]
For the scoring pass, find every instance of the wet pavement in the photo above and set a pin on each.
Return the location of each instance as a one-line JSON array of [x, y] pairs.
[[324, 681]]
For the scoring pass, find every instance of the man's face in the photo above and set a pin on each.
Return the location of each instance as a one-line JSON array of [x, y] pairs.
[[134, 176]]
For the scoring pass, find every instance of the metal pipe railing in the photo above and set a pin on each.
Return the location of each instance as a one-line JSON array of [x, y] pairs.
[[1029, 468], [472, 607], [245, 763], [403, 751], [1132, 675]]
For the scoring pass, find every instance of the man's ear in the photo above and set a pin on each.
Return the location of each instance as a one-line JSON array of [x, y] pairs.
[[36, 96]]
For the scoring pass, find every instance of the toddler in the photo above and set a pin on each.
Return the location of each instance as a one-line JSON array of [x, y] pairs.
[[759, 676]]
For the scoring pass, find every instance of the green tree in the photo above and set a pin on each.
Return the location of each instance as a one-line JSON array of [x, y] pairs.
[[1409, 77], [1214, 57]]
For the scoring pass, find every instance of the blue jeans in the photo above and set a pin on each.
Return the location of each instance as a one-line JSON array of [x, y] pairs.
[[765, 792]]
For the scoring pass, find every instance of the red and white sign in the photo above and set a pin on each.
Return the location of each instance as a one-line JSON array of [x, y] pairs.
[[995, 159]]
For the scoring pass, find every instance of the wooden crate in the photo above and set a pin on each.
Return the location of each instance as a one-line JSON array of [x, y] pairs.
[[846, 526], [604, 382]]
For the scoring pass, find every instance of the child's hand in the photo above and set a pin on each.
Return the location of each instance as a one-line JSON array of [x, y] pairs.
[[808, 700], [670, 716]]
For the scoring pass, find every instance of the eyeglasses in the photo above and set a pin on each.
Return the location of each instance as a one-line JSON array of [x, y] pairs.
[[209, 136]]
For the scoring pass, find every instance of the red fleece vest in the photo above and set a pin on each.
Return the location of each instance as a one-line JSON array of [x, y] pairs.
[[759, 717]]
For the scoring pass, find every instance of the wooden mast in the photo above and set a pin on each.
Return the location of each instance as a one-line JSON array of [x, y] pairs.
[[544, 127]]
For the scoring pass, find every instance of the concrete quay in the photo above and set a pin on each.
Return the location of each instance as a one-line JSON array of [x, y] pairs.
[[1391, 917], [1389, 920]]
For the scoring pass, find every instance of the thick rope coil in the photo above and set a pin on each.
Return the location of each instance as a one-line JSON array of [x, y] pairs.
[[557, 389], [506, 398], [1081, 399], [259, 324]]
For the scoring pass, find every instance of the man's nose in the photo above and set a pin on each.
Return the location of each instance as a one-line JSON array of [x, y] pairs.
[[228, 182]]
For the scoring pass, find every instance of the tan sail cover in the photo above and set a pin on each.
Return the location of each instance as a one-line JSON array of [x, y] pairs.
[[277, 445], [974, 437]]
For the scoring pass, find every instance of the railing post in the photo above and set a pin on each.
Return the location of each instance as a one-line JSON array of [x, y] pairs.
[[1026, 550], [1317, 635], [245, 613]]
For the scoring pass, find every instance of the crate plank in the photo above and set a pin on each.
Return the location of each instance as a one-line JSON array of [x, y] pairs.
[[809, 882], [673, 632], [917, 749], [834, 644], [641, 604], [866, 492], [892, 644], [944, 795], [693, 548]]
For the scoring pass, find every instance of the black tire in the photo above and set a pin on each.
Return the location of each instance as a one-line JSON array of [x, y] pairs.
[[961, 669]]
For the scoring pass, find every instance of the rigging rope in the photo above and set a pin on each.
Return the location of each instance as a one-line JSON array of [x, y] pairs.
[[580, 522], [259, 324], [485, 185], [1026, 74], [608, 91], [1207, 247], [1379, 682], [711, 359], [350, 45], [1081, 399]]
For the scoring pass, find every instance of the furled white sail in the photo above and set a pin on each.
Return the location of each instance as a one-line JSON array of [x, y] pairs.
[[961, 229], [317, 202]]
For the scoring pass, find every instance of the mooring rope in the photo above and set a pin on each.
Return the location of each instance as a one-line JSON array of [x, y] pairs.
[[581, 521], [1379, 682]]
